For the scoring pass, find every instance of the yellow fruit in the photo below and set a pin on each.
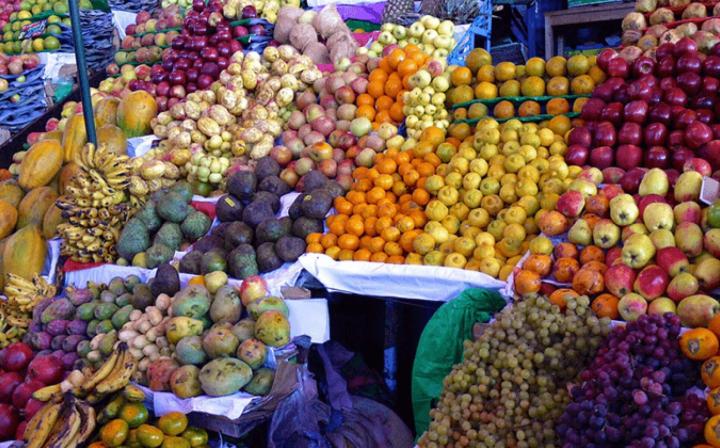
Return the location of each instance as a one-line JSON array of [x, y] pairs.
[[582, 85], [533, 86], [477, 58], [484, 91], [510, 88], [505, 71], [578, 65], [535, 67], [555, 66]]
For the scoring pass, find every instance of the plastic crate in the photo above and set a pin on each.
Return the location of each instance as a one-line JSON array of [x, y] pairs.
[[514, 52], [580, 3], [481, 27]]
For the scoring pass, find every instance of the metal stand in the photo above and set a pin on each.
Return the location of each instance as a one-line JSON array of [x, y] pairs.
[[82, 71]]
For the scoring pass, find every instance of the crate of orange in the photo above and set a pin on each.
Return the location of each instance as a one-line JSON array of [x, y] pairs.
[[379, 218], [383, 101]]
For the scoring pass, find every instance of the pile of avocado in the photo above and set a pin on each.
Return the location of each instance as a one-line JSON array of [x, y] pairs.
[[165, 224], [251, 238]]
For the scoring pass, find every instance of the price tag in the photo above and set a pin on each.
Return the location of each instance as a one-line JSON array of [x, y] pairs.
[[33, 30], [710, 190]]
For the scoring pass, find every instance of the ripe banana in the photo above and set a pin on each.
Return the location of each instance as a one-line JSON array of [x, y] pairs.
[[120, 376], [42, 423], [48, 393], [87, 424], [66, 427], [104, 370]]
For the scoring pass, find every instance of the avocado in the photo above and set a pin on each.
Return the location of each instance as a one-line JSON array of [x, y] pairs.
[[238, 233], [195, 225], [123, 299], [148, 215], [209, 242], [184, 188], [173, 207], [229, 208], [257, 212], [190, 263], [274, 184], [117, 286], [295, 210], [242, 185], [213, 261], [289, 248], [219, 229], [134, 238], [267, 259], [131, 281], [121, 316], [105, 310], [304, 226], [317, 204], [158, 253], [272, 198], [272, 229], [242, 262], [334, 188], [86, 311], [104, 326], [313, 180], [169, 235], [142, 297], [266, 167], [166, 281]]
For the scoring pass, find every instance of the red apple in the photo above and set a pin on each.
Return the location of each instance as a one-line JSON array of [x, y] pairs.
[[630, 134], [605, 134], [580, 136], [576, 155], [612, 174], [628, 156], [702, 166], [618, 67], [651, 282], [655, 134], [601, 157], [657, 157], [636, 111], [619, 279], [697, 134]]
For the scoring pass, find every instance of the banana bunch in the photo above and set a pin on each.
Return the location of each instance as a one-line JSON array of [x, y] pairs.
[[67, 423], [13, 325], [97, 204], [23, 294], [114, 374]]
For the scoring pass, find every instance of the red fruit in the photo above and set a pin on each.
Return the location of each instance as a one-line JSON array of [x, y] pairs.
[[46, 369], [8, 382], [16, 357], [24, 392], [20, 431], [32, 407], [9, 421]]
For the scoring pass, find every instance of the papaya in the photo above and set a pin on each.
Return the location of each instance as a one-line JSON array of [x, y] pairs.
[[106, 111], [8, 219], [53, 217], [74, 137], [5, 174], [67, 173], [11, 192], [24, 252], [34, 205], [52, 135], [40, 164], [135, 113], [113, 137]]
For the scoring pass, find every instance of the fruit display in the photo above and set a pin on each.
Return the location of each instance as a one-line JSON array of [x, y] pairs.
[[323, 36], [527, 84], [7, 9], [165, 224], [433, 36], [146, 39], [266, 9], [635, 391], [252, 237], [236, 121], [17, 65], [646, 116], [636, 254], [127, 423], [511, 387]]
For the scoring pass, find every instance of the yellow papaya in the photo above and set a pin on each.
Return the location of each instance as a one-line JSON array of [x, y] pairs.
[[24, 253], [8, 219], [11, 192], [113, 137], [74, 137], [53, 217], [135, 113], [106, 111], [67, 173], [33, 206], [40, 164]]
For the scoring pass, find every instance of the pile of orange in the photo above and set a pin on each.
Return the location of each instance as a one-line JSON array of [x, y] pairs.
[[383, 101], [379, 218]]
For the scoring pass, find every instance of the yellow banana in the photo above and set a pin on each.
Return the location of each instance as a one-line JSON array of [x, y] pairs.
[[47, 393], [42, 423], [87, 424], [102, 373], [120, 376], [66, 428]]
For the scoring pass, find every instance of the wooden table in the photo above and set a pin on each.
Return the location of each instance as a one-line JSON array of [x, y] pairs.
[[580, 16]]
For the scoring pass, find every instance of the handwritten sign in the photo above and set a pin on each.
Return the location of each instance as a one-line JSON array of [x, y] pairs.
[[33, 30]]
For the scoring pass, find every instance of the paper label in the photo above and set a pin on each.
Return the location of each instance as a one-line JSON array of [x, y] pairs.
[[710, 190]]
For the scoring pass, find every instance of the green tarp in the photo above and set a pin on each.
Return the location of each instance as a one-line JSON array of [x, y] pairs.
[[441, 346]]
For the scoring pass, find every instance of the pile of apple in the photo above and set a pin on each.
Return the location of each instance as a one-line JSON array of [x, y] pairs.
[[667, 106], [649, 253], [433, 36], [17, 65], [145, 39], [6, 9]]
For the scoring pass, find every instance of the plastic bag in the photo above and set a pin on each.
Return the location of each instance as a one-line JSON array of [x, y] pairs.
[[441, 346]]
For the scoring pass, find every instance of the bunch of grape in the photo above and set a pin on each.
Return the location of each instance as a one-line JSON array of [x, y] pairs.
[[635, 392], [511, 386]]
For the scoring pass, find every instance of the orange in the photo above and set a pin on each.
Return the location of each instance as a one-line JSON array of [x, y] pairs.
[[362, 185], [383, 103], [433, 135], [533, 86], [376, 244], [359, 209], [345, 255], [355, 226], [362, 255], [360, 172], [557, 86], [395, 58], [392, 248], [383, 117], [382, 223], [529, 108], [420, 196], [486, 73], [364, 100], [409, 67], [396, 112], [461, 76], [559, 124], [395, 259], [378, 75], [399, 188], [557, 106], [313, 238], [375, 194], [315, 248], [383, 181], [332, 252], [419, 217], [375, 89], [504, 109], [484, 91], [379, 257], [393, 86], [582, 84], [355, 197], [405, 224], [417, 56], [348, 242], [337, 228], [342, 205], [328, 240], [369, 225], [386, 166], [369, 211], [366, 111], [385, 65], [390, 234]]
